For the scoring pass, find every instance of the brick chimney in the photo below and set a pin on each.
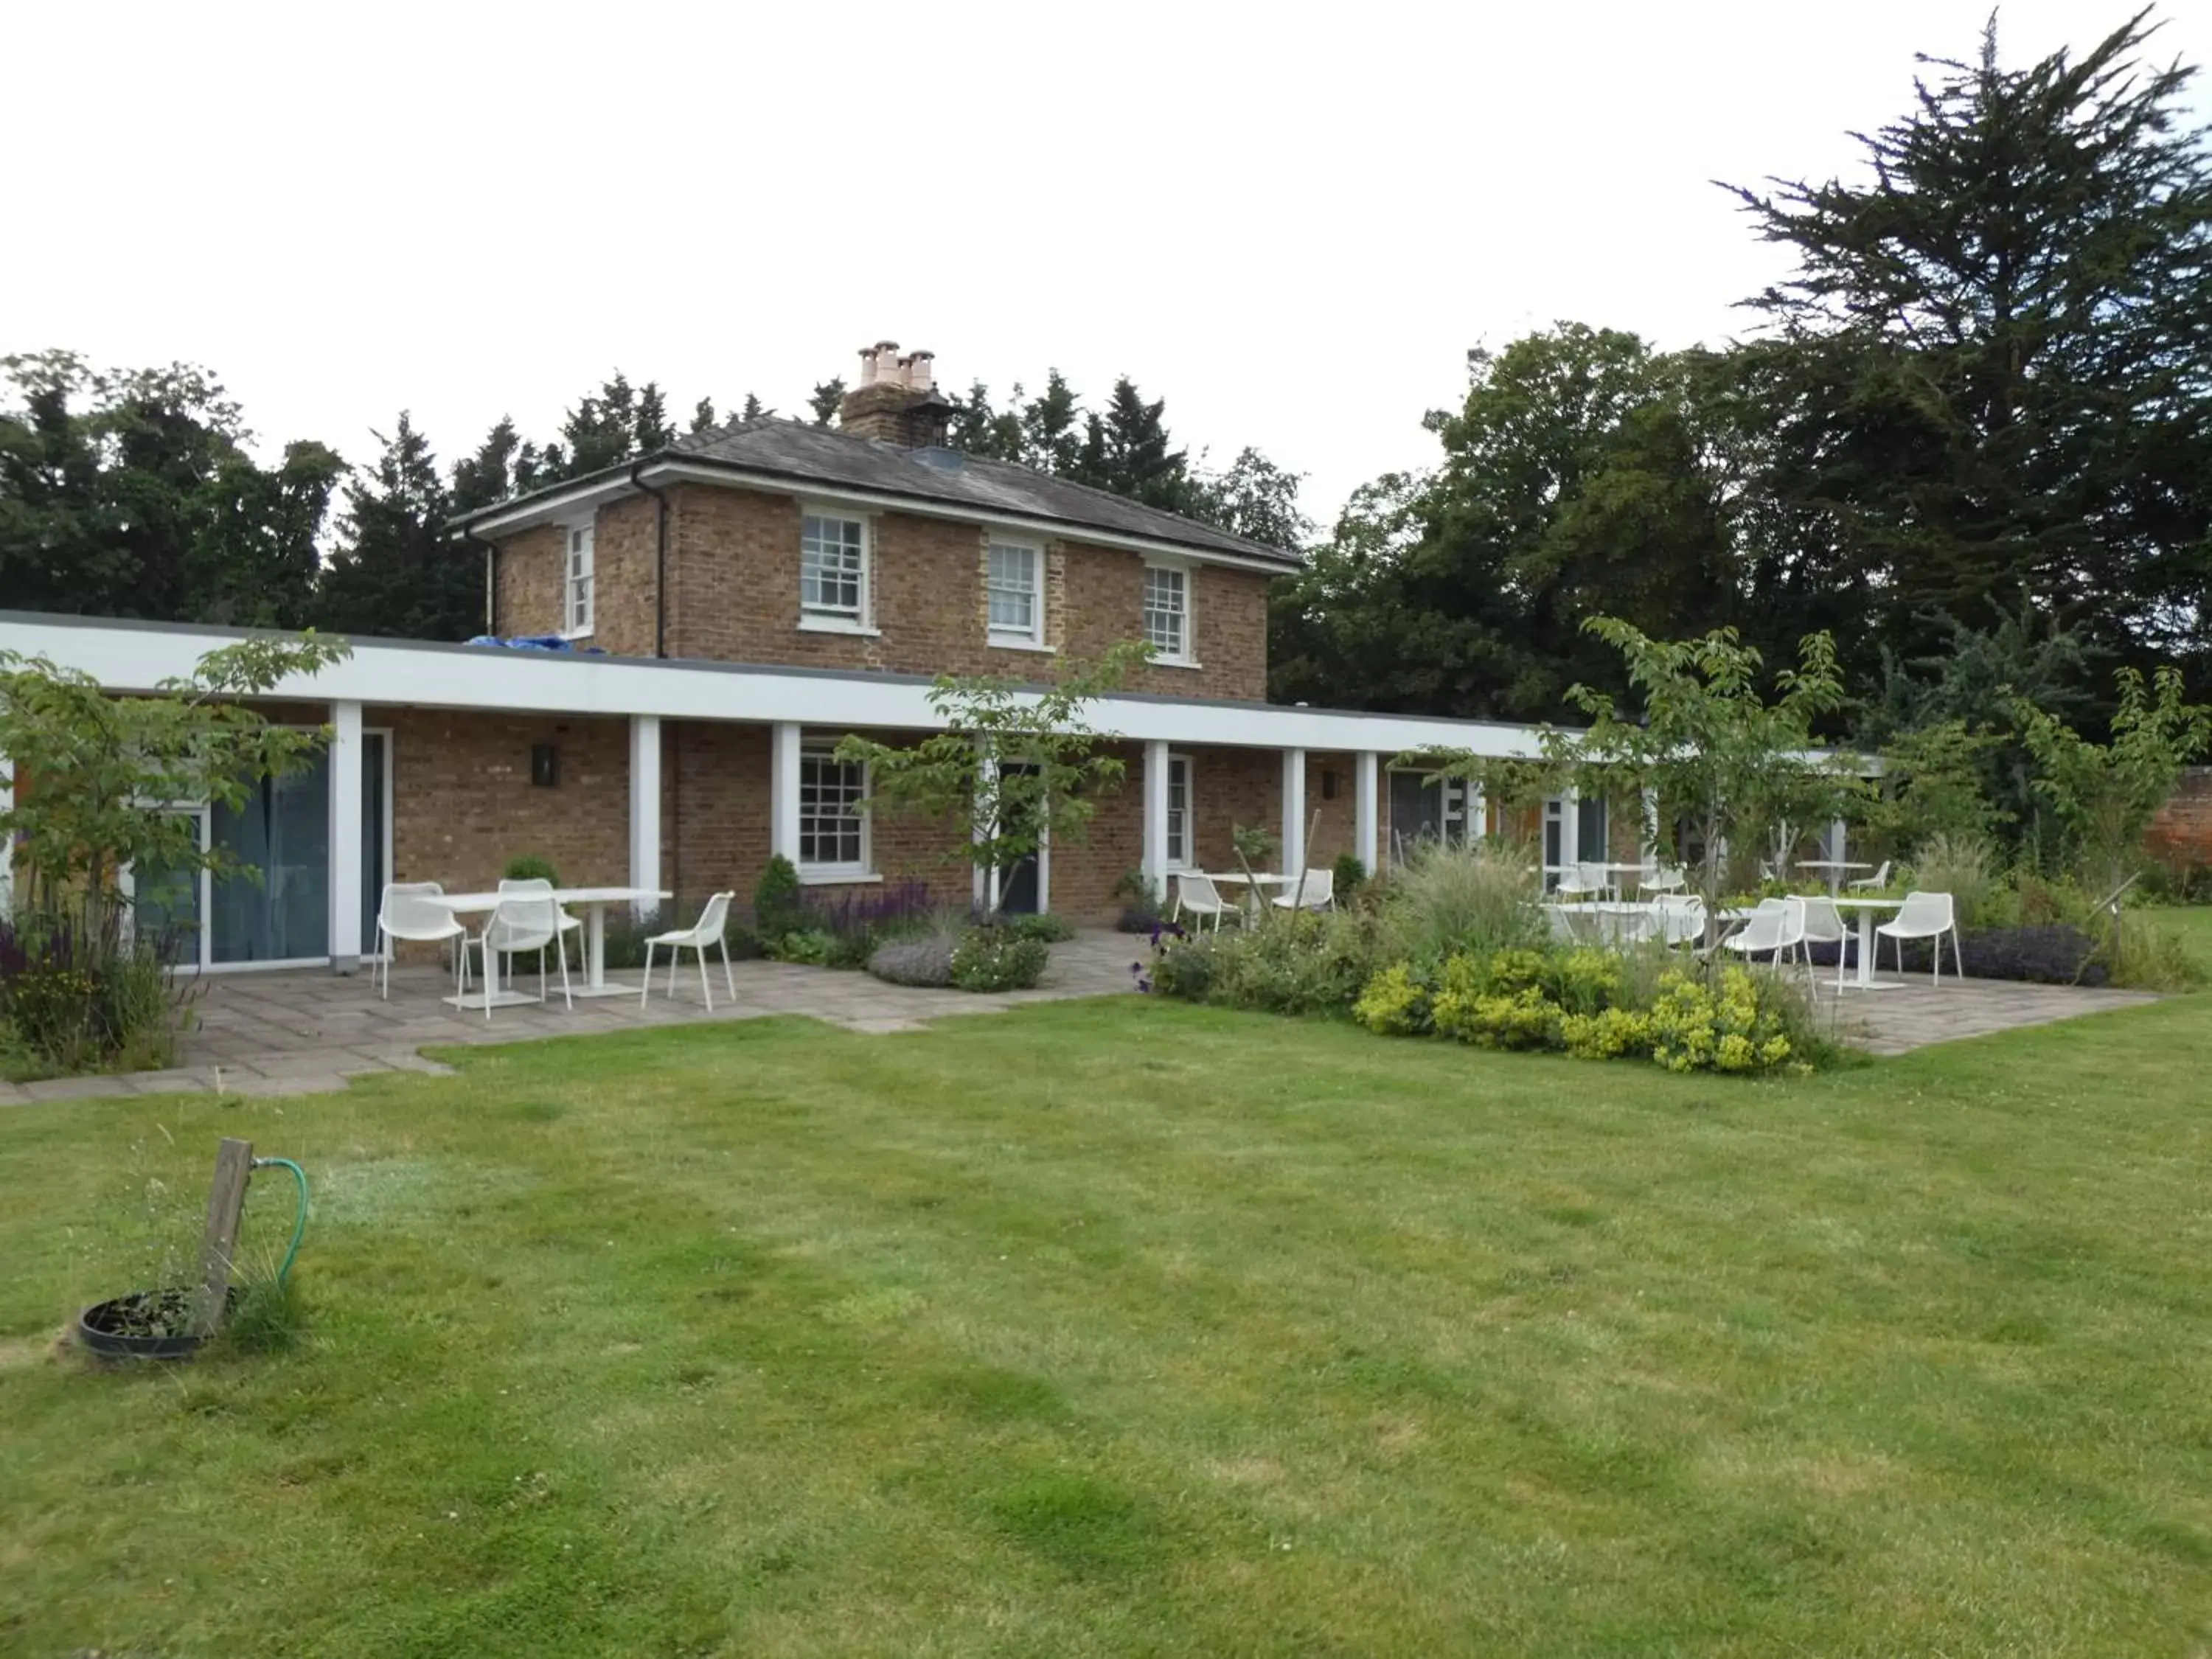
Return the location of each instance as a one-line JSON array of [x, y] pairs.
[[897, 401]]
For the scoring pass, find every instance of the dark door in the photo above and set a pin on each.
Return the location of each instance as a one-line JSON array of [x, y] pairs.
[[1018, 878]]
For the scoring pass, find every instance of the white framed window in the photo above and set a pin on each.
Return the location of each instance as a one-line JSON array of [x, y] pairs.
[[1180, 812], [833, 830], [833, 570], [1166, 612], [576, 606], [1013, 590]]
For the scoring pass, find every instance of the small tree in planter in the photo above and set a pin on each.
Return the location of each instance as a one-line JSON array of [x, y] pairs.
[[1015, 764], [1708, 741]]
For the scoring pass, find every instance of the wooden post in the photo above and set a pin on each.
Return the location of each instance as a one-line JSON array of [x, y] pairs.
[[233, 1165]]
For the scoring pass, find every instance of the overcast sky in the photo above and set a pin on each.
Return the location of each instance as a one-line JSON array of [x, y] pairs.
[[1291, 221]]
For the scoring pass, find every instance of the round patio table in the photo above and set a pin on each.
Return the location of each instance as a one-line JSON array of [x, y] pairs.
[[1863, 980], [592, 902]]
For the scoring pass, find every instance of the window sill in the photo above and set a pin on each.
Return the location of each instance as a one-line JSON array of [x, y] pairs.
[[574, 634], [837, 625], [837, 876], [1011, 642], [1176, 662]]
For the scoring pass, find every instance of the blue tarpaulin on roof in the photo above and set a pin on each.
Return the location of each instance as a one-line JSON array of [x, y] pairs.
[[537, 642]]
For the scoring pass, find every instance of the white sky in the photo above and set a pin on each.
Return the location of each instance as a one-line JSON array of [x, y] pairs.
[[1290, 221]]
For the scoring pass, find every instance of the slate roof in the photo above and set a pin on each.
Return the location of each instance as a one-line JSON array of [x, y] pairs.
[[821, 455]]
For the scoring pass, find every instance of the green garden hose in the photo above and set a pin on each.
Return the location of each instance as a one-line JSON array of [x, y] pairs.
[[300, 1222]]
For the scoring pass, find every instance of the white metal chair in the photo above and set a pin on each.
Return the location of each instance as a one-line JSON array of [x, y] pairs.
[[1825, 925], [406, 912], [707, 930], [538, 887], [1575, 882], [1196, 893], [522, 923], [1316, 891], [1776, 927], [1663, 879], [1926, 915], [1681, 918], [1868, 884]]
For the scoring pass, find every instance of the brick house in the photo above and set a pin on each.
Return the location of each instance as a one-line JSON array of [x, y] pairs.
[[742, 600]]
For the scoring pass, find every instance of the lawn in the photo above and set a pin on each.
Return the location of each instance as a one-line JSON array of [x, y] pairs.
[[1124, 1328], [2192, 926]]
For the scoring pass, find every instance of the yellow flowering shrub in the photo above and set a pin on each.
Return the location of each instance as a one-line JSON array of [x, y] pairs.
[[1609, 1034], [1395, 1003], [1694, 1029]]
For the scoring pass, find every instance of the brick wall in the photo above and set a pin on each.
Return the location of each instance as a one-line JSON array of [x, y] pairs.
[[2182, 832], [527, 585], [463, 803], [733, 595]]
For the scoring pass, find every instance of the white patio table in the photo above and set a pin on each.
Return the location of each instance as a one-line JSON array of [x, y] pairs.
[[1863, 980], [1836, 869], [1254, 884], [592, 902]]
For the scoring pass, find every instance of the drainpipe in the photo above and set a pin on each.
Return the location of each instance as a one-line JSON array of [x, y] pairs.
[[491, 577], [659, 558]]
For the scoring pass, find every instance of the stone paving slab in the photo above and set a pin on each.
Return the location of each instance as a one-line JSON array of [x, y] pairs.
[[306, 1032]]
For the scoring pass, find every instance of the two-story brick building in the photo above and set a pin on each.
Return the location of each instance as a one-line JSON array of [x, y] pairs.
[[741, 600]]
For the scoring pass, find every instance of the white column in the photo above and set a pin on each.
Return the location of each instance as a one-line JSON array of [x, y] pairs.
[[1294, 811], [1570, 828], [783, 790], [1654, 854], [345, 836], [1478, 808], [1366, 806], [1838, 836], [645, 808], [1156, 818], [987, 876]]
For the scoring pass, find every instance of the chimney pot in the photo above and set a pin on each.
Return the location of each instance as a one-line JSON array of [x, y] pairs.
[[920, 374]]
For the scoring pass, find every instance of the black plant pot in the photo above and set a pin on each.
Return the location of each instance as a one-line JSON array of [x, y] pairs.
[[140, 1326]]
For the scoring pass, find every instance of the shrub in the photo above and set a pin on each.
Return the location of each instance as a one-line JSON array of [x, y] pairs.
[[1349, 876], [925, 960], [1394, 1004], [861, 919], [1961, 866], [531, 867], [1052, 930], [810, 947], [1451, 899], [998, 959], [68, 1005], [1304, 962], [1742, 1027], [778, 899], [1609, 1034], [1141, 905]]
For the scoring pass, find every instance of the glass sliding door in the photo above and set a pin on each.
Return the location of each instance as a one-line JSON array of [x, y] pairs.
[[165, 904], [282, 830], [374, 818]]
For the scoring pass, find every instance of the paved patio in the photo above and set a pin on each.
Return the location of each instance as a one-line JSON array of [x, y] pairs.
[[1914, 1013], [288, 1033], [308, 1032]]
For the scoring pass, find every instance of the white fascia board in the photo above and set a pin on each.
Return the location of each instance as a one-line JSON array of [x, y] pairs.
[[553, 507], [127, 658]]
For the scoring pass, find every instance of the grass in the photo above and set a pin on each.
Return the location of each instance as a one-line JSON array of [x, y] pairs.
[[1128, 1328], [2192, 924]]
